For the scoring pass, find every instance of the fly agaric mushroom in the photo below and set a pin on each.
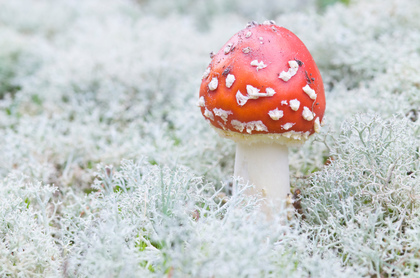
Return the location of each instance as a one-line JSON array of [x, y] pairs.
[[264, 91]]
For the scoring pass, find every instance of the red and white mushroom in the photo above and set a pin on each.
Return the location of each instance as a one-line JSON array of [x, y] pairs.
[[264, 91]]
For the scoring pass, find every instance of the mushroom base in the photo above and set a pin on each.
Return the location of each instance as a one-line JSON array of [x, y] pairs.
[[289, 138], [265, 165]]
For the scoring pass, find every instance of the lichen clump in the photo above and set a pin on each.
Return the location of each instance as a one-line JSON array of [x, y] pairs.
[[108, 169]]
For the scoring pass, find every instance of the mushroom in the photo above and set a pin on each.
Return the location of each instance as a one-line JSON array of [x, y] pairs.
[[269, 96]]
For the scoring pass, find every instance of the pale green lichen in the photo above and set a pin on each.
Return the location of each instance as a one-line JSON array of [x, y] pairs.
[[83, 85]]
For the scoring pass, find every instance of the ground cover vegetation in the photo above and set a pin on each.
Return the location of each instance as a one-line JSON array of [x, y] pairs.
[[109, 170]]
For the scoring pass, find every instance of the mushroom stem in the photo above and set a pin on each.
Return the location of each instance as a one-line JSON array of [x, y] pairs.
[[266, 165]]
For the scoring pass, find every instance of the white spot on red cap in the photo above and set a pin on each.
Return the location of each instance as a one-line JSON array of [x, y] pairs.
[[246, 50], [294, 104], [255, 125], [307, 114], [213, 84], [222, 113], [270, 92], [206, 73], [229, 80], [228, 48], [249, 127], [259, 65], [241, 99], [287, 126], [238, 125], [208, 114], [254, 93], [201, 102], [286, 75], [309, 91], [275, 114], [248, 34]]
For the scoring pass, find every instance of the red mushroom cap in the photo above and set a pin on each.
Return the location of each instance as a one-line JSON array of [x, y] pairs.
[[263, 82]]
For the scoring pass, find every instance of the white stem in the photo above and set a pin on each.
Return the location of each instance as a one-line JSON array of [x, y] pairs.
[[266, 166]]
